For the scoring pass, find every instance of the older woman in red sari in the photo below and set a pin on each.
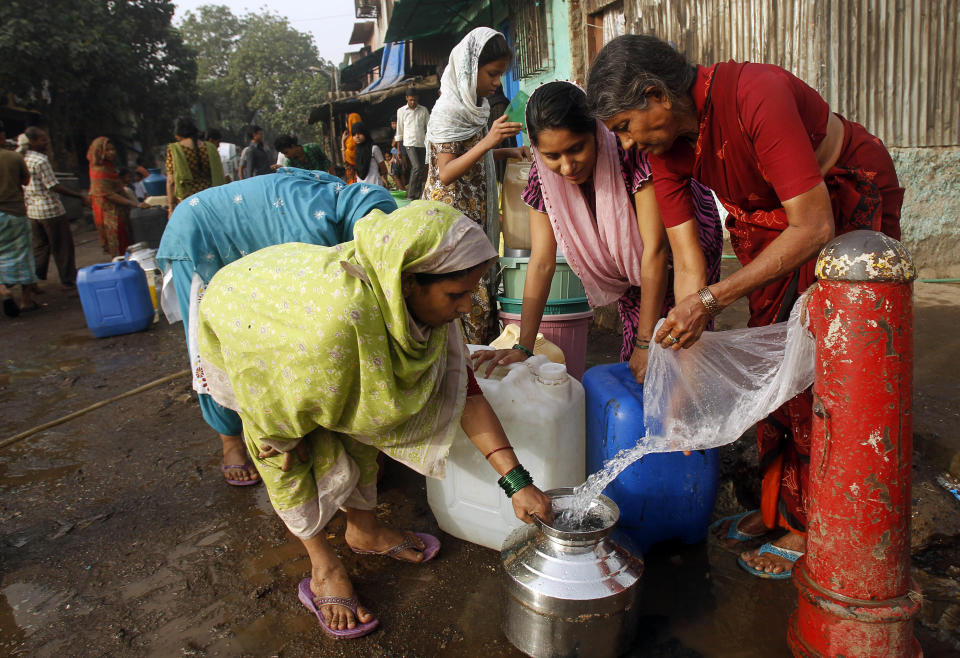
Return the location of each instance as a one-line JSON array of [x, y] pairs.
[[110, 207], [792, 174]]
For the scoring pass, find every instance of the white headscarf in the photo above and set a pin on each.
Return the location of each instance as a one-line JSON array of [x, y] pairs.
[[456, 115]]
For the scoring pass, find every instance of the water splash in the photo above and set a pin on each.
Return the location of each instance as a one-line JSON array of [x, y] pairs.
[[584, 495]]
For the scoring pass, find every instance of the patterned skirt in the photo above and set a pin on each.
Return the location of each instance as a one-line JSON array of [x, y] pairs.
[[16, 250]]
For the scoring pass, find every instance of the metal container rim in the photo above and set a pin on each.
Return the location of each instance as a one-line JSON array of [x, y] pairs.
[[573, 536]]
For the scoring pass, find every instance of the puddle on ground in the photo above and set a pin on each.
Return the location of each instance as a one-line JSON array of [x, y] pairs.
[[267, 634], [696, 599], [13, 477], [69, 340], [11, 635], [289, 559], [17, 371], [26, 607]]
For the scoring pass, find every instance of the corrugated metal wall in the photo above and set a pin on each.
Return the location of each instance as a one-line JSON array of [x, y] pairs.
[[892, 65]]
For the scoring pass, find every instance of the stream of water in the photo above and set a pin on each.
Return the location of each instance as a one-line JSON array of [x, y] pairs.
[[581, 501]]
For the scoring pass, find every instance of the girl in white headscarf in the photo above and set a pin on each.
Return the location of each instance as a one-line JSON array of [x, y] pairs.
[[461, 151]]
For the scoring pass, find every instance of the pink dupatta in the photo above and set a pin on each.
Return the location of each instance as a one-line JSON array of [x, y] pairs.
[[604, 251]]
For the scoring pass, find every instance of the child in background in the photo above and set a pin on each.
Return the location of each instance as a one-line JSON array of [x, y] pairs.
[[127, 189], [461, 153]]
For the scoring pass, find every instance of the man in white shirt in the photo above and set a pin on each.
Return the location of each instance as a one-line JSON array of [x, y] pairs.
[[411, 132]]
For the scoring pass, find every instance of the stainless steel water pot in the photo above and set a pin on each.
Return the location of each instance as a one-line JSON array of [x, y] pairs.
[[569, 593]]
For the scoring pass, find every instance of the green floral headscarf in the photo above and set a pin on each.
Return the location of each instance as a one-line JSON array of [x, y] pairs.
[[298, 338]]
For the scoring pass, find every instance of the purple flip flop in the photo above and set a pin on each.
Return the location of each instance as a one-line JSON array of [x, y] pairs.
[[248, 467], [306, 598], [431, 546]]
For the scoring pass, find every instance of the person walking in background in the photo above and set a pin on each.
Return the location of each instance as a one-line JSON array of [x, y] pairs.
[[461, 152], [411, 133], [16, 253], [48, 217], [111, 208], [308, 156], [254, 160], [192, 165], [370, 166]]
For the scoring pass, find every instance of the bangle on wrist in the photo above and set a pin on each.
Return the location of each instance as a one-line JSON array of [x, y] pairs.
[[515, 480], [641, 343], [487, 456], [709, 301], [523, 349]]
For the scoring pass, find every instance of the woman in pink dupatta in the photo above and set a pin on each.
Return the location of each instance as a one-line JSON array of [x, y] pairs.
[[579, 192]]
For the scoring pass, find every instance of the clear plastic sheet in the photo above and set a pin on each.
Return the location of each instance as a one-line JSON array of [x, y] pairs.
[[710, 394]]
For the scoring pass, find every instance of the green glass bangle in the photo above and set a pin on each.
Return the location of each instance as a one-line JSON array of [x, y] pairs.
[[515, 480], [523, 349]]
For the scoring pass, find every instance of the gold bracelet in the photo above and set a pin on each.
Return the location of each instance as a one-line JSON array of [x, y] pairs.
[[709, 301]]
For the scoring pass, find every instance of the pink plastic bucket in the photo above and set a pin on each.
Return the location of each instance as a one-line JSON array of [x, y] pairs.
[[568, 332]]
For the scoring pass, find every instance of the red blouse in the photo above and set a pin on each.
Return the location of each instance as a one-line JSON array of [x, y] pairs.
[[771, 160]]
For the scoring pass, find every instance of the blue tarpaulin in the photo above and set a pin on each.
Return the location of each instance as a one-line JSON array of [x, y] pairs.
[[392, 69]]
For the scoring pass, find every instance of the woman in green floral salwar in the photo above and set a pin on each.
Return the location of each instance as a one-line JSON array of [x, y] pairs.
[[331, 354]]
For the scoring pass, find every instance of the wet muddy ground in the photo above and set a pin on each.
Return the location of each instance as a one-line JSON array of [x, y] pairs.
[[120, 538]]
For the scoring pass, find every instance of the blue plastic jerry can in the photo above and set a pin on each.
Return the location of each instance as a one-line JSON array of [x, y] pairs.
[[661, 496], [115, 298]]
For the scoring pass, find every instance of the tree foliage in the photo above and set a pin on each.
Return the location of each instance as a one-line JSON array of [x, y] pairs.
[[255, 69], [97, 66]]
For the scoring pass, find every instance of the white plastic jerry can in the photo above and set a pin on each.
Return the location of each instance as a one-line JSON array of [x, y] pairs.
[[541, 409]]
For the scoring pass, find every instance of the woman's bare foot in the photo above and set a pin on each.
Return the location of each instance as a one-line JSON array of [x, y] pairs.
[[773, 563], [235, 453], [331, 580], [751, 524], [365, 533]]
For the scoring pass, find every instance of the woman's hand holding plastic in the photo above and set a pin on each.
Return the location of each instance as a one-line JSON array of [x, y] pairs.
[[496, 358], [684, 324], [530, 501], [500, 130]]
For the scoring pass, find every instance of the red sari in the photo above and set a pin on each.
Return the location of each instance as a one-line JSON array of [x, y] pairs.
[[759, 128], [110, 218]]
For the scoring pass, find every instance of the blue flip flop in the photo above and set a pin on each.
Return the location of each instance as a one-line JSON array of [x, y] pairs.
[[785, 553], [733, 532]]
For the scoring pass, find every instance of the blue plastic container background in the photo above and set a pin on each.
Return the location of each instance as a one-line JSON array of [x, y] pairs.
[[155, 183], [115, 298], [662, 496]]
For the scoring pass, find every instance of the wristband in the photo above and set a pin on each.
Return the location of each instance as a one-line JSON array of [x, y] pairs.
[[640, 344], [487, 456], [709, 301], [523, 349], [515, 480]]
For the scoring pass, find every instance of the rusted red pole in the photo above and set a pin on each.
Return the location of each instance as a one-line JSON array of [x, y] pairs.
[[856, 597]]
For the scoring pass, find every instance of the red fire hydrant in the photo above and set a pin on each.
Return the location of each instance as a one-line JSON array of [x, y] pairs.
[[856, 596]]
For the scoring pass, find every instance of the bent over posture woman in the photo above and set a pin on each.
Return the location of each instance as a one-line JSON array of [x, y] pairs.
[[579, 192], [333, 354], [221, 224], [792, 174]]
